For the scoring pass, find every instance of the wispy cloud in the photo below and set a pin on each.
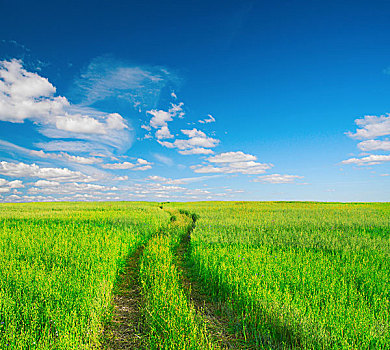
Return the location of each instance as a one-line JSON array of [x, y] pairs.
[[68, 158], [163, 159], [210, 119], [277, 178], [181, 181], [106, 77]]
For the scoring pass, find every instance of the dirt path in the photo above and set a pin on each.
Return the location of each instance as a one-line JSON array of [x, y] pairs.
[[125, 332], [216, 315]]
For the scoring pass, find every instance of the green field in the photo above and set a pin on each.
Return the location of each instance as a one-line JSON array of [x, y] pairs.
[[210, 275]]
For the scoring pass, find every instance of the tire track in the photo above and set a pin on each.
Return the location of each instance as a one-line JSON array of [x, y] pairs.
[[125, 330]]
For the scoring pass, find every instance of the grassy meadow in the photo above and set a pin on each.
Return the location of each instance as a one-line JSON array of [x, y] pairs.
[[288, 275]]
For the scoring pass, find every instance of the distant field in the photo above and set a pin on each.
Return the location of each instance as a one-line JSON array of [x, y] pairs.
[[269, 274]]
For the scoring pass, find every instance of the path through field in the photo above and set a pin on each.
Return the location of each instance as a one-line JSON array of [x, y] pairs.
[[125, 330]]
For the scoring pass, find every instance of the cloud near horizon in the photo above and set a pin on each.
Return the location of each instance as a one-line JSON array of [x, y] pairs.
[[233, 162], [83, 153], [277, 179], [371, 129]]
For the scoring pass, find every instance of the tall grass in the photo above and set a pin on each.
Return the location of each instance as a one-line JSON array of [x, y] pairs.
[[58, 264], [170, 318], [301, 275]]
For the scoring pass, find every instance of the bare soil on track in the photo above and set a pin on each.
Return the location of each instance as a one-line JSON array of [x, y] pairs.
[[125, 329]]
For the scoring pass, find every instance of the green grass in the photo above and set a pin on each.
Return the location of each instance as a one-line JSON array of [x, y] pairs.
[[170, 318], [305, 275], [58, 266], [294, 275]]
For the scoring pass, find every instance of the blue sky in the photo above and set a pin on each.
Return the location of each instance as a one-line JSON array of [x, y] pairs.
[[192, 100]]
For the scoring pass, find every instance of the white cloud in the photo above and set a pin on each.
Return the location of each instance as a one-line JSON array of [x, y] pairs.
[[198, 150], [374, 145], [6, 186], [160, 118], [146, 127], [233, 162], [181, 181], [79, 159], [231, 157], [49, 187], [33, 170], [371, 127], [107, 77], [45, 183], [74, 147], [26, 95], [369, 160], [141, 164], [210, 119], [84, 124], [277, 178], [59, 156], [163, 133], [121, 178], [163, 159], [197, 143]]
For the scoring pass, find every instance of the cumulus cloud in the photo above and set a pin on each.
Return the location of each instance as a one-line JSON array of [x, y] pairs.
[[374, 145], [372, 126], [197, 143], [232, 162], [231, 157], [368, 160], [32, 170], [369, 128], [6, 186], [27, 95], [84, 124], [163, 133], [210, 119], [277, 178], [160, 119], [140, 164]]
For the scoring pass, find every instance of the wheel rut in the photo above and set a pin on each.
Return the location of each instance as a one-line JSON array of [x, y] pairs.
[[125, 329], [216, 316]]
